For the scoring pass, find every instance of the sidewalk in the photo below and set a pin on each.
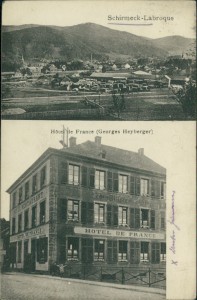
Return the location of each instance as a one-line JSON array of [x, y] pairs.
[[98, 283]]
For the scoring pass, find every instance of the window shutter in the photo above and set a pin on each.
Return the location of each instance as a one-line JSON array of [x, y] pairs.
[[137, 218], [109, 181], [162, 214], [132, 185], [63, 209], [84, 172], [63, 172], [135, 252], [90, 212], [83, 212], [115, 179], [152, 219], [87, 250], [134, 218], [111, 251], [157, 189], [115, 215], [153, 188], [91, 177], [109, 214], [38, 249], [155, 253], [137, 186]]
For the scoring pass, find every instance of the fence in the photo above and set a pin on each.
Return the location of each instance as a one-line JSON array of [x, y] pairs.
[[121, 275]]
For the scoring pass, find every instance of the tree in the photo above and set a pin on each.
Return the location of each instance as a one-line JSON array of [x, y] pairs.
[[187, 98]]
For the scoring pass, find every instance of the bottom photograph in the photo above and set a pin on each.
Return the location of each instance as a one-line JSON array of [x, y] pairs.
[[86, 207]]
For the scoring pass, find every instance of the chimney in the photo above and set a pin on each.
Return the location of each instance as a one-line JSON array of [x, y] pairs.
[[98, 141], [141, 151], [72, 141]]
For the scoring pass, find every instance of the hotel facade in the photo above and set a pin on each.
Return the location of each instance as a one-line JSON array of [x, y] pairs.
[[89, 204]]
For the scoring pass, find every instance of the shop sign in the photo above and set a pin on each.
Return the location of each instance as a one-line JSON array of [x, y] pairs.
[[119, 233], [31, 201], [29, 234]]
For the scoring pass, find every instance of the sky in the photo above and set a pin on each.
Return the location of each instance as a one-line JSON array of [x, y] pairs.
[[67, 13]]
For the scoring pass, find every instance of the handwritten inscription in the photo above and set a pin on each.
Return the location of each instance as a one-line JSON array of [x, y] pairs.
[[175, 227]]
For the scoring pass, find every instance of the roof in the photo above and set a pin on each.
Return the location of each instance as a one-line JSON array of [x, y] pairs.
[[116, 156], [90, 149], [110, 75], [141, 73]]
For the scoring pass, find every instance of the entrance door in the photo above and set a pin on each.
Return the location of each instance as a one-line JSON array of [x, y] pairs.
[[33, 255]]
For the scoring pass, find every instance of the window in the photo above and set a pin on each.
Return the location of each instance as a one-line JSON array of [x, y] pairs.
[[26, 219], [42, 212], [14, 200], [144, 255], [34, 216], [122, 251], [73, 248], [99, 250], [20, 223], [20, 194], [34, 184], [19, 251], [13, 225], [123, 184], [144, 218], [43, 177], [163, 252], [122, 215], [27, 190], [144, 187], [99, 212], [42, 250], [73, 173], [100, 180], [73, 210], [163, 190]]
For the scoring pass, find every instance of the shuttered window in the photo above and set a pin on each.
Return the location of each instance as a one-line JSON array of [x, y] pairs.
[[135, 252], [109, 181], [99, 180], [112, 215], [111, 251], [163, 220], [91, 177], [115, 182], [73, 249], [132, 185], [87, 250], [144, 252], [87, 212], [84, 172], [63, 174], [122, 251], [134, 218], [73, 174], [163, 252], [152, 219], [155, 253]]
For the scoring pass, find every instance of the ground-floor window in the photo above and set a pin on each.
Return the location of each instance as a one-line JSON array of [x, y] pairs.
[[144, 253], [42, 250], [99, 250], [163, 252], [13, 253], [73, 249], [122, 251]]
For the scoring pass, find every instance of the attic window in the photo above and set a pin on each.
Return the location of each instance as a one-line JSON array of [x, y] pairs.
[[102, 154]]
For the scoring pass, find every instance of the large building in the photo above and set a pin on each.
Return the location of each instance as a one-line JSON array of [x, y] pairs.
[[89, 204]]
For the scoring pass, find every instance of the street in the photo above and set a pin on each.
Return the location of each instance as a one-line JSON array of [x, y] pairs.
[[19, 286]]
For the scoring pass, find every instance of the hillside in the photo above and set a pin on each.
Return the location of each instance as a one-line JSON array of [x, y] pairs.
[[80, 41], [175, 44]]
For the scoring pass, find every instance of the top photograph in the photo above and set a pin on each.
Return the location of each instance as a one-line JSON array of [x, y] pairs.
[[98, 60]]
